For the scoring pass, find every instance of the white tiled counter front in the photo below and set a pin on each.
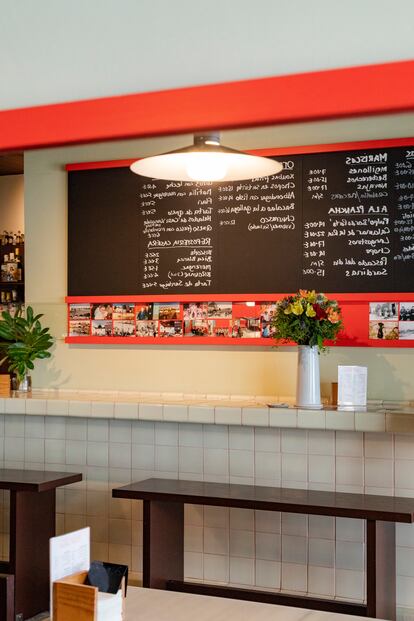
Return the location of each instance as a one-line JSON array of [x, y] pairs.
[[379, 416], [116, 439]]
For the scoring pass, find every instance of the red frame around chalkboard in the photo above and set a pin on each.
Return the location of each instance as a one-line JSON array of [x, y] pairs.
[[355, 306]]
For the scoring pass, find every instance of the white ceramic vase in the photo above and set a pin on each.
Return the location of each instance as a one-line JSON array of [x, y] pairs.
[[308, 388]]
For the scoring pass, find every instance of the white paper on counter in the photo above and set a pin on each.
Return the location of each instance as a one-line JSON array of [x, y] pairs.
[[352, 386], [110, 606], [68, 554]]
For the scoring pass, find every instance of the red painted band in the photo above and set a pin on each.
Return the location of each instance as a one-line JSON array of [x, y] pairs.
[[338, 93]]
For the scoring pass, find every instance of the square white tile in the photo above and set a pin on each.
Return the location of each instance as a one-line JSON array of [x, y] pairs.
[[241, 463], [216, 461], [294, 441], [294, 577], [267, 440], [294, 549], [268, 574], [294, 468], [120, 431], [191, 460], [127, 410], [241, 438], [242, 570], [255, 417], [166, 434], [216, 540], [120, 455], [242, 543], [268, 546], [321, 469], [190, 435], [175, 413]]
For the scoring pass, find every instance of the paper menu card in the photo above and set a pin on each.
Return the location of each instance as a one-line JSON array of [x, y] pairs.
[[68, 554], [352, 386]]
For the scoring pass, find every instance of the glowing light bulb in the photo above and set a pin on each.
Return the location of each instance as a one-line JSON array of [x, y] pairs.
[[206, 166]]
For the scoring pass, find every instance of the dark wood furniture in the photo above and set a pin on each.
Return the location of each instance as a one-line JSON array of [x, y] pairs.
[[24, 581], [163, 562]]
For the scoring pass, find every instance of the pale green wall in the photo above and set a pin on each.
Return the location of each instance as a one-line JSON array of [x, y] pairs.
[[180, 368]]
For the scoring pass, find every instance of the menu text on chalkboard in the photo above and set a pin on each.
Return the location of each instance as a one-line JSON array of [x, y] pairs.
[[339, 222]]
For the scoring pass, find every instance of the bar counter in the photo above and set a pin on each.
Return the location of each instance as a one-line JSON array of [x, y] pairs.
[[242, 410]]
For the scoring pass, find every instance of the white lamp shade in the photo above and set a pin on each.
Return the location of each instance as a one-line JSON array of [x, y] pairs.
[[210, 163]]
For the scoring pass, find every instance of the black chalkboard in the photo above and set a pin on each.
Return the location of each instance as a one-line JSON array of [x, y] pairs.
[[339, 222]]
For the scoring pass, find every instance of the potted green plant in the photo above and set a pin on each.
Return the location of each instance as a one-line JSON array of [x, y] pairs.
[[308, 319], [23, 341]]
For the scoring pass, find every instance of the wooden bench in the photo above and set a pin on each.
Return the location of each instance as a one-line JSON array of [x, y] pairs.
[[24, 579], [163, 540]]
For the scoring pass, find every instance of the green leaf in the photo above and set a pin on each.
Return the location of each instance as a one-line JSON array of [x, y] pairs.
[[23, 340]]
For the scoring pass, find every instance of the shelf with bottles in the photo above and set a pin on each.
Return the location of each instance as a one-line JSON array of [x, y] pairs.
[[11, 268], [11, 307], [11, 238]]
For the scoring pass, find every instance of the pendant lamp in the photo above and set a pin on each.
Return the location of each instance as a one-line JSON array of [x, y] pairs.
[[206, 160]]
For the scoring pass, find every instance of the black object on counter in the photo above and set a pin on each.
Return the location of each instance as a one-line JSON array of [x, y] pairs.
[[107, 576]]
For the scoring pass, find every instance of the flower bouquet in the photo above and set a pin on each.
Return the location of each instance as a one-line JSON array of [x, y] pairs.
[[308, 319]]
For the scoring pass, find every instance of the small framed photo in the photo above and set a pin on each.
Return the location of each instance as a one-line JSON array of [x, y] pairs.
[[197, 327], [171, 328], [144, 312], [123, 311], [383, 330], [79, 311], [219, 310], [406, 311], [267, 311], [124, 328], [219, 328], [166, 310], [267, 330], [79, 327], [383, 311], [246, 328], [101, 327], [195, 311], [406, 330], [147, 329], [102, 312]]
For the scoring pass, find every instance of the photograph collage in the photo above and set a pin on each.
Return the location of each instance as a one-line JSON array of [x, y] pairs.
[[241, 320], [391, 321]]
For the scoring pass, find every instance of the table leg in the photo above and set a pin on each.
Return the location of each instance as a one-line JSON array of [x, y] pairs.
[[163, 545], [7, 597], [381, 570], [32, 523]]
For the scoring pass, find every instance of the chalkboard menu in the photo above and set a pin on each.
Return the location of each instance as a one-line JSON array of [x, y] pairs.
[[339, 222]]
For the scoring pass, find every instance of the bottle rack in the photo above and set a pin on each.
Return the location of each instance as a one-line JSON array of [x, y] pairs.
[[12, 292]]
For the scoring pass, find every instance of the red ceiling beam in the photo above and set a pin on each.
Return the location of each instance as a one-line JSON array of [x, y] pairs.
[[339, 93]]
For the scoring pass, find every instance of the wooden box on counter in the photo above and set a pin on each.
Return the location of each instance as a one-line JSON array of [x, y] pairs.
[[73, 599]]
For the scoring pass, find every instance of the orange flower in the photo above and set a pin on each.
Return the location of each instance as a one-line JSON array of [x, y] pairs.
[[303, 293], [333, 316]]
